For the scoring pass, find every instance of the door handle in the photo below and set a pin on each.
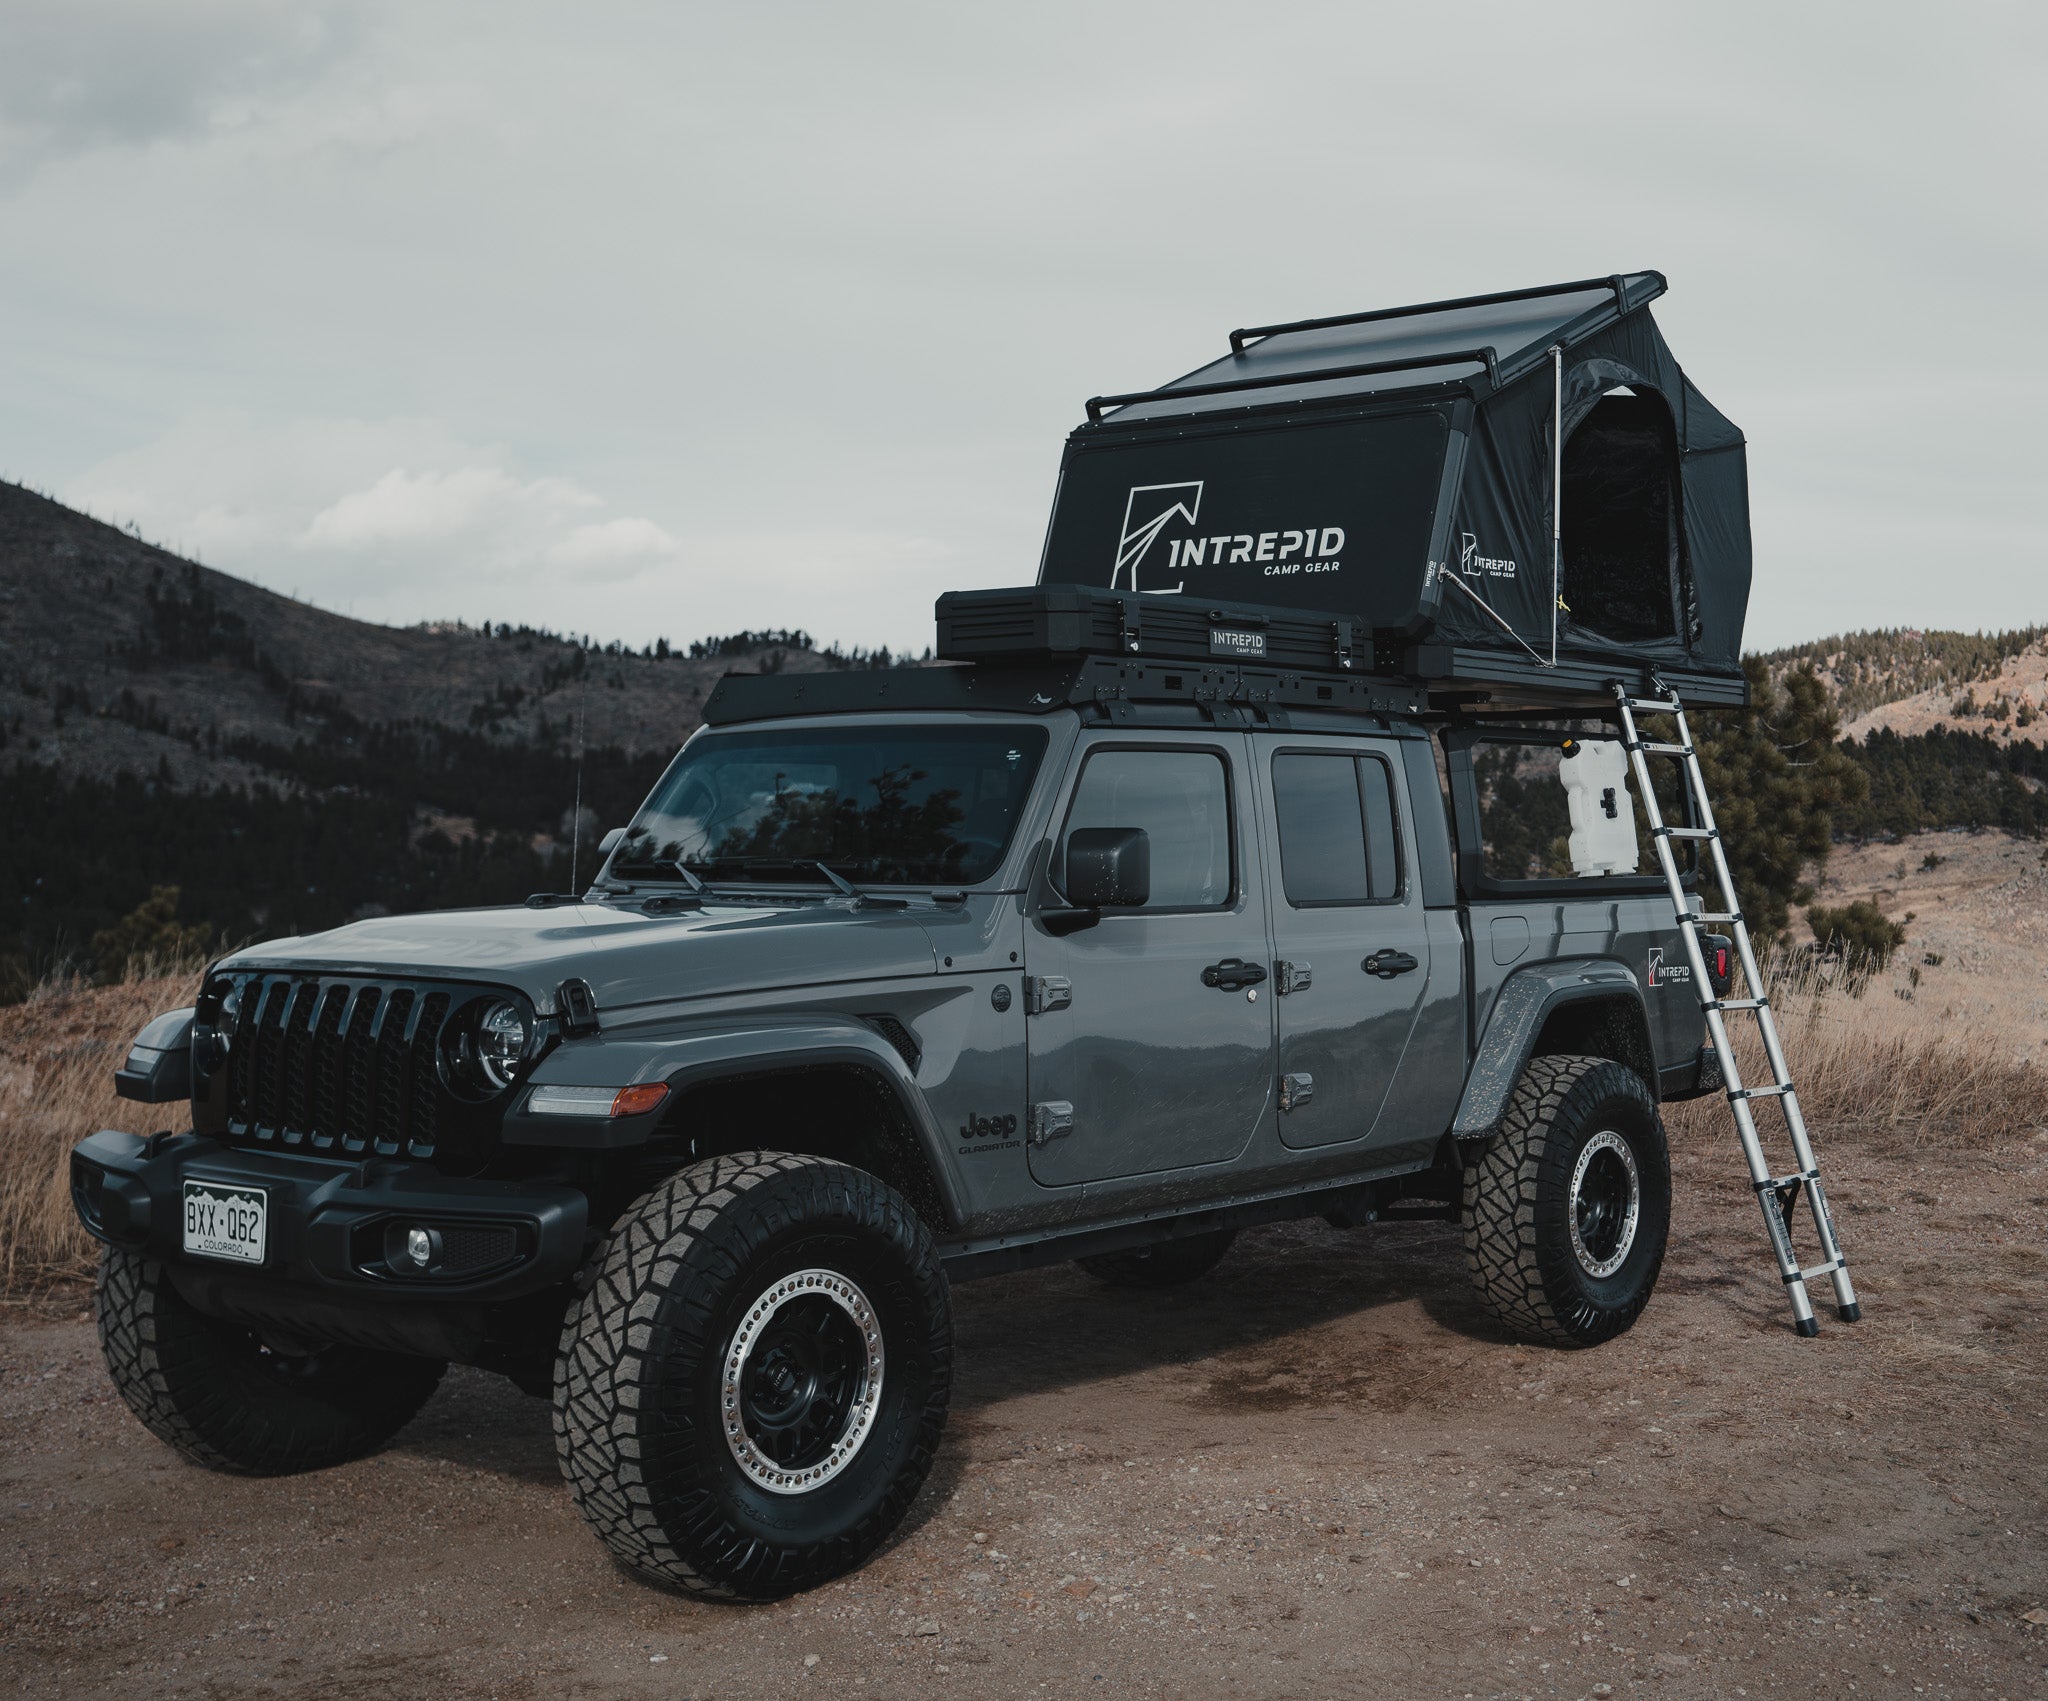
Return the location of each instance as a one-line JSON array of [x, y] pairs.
[[1387, 964], [1232, 974]]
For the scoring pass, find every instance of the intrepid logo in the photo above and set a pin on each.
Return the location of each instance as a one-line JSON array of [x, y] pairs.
[[1662, 974], [1151, 509], [1147, 511], [1490, 566]]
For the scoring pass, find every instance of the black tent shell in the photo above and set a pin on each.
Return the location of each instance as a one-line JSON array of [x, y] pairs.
[[1405, 468]]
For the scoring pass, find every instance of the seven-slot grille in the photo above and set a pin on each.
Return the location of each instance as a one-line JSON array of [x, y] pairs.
[[343, 1065]]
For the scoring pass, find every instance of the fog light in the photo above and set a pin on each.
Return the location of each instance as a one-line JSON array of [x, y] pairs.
[[411, 1249]]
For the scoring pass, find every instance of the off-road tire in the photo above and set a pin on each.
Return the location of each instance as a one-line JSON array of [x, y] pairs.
[[216, 1393], [1164, 1264], [639, 1383], [1517, 1207]]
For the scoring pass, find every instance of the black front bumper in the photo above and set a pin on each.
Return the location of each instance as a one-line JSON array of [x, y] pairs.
[[326, 1219]]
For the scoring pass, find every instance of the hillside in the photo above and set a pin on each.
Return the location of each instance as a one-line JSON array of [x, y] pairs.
[[164, 724], [1866, 671], [119, 656]]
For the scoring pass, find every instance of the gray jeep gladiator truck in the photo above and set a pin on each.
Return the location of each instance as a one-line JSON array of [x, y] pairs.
[[1136, 922]]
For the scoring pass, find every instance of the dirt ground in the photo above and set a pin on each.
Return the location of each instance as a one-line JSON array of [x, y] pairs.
[[1978, 940], [1317, 1472]]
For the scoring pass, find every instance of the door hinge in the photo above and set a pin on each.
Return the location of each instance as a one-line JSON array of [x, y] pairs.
[[1296, 1091], [1046, 992], [1052, 1119], [1291, 977]]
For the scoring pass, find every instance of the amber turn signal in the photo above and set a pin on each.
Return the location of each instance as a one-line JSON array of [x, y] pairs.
[[638, 1101]]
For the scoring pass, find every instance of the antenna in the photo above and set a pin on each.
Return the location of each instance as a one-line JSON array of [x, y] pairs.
[[576, 814]]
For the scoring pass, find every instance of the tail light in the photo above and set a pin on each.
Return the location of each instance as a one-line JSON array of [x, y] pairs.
[[1720, 964]]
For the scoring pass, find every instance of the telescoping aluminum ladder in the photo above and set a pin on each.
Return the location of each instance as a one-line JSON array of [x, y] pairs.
[[1778, 1194]]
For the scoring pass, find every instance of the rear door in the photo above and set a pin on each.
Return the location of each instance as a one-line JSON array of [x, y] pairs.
[[1151, 1044], [1350, 937]]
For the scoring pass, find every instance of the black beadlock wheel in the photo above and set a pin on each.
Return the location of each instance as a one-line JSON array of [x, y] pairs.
[[1568, 1207], [1164, 1264], [213, 1390], [750, 1394]]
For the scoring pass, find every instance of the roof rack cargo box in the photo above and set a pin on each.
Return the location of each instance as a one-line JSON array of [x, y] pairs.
[[1056, 624], [1523, 480]]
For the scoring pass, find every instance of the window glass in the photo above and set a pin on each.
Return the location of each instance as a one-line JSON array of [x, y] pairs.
[[1181, 799], [1375, 785], [906, 804], [1336, 818], [1526, 823], [1322, 835]]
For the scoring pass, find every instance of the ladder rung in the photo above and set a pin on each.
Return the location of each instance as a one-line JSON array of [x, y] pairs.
[[1687, 919], [1649, 749], [1736, 1004], [1777, 1092], [1654, 705], [1779, 1182], [1687, 832], [1819, 1270]]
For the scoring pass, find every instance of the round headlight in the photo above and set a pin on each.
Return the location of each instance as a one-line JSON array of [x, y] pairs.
[[215, 1038], [501, 1036]]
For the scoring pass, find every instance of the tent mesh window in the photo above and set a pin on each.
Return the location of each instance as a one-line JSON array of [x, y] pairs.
[[1620, 520]]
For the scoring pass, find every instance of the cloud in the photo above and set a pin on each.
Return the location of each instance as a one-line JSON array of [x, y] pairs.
[[404, 521], [403, 508], [84, 74]]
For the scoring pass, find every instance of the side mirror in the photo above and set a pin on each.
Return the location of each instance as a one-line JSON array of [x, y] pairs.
[[610, 842], [1109, 867]]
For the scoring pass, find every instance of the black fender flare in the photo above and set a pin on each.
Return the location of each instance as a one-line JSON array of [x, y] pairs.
[[1525, 1002], [753, 1045]]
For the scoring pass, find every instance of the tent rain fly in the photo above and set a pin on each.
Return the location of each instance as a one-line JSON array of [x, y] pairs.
[[1524, 483]]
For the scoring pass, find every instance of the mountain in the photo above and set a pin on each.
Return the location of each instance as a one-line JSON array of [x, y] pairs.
[[1911, 682], [117, 655], [165, 724]]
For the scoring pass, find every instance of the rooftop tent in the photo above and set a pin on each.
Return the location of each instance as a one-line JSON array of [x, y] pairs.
[[1402, 469]]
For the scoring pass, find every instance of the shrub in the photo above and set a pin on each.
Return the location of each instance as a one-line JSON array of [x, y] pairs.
[[149, 939], [1860, 929]]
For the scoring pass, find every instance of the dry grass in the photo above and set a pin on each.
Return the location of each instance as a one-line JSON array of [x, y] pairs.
[[58, 1053], [1872, 1060]]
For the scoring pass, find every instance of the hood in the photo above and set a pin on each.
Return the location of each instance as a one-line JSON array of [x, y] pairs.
[[627, 956]]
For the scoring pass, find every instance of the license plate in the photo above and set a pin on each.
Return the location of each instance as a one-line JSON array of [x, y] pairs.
[[225, 1222]]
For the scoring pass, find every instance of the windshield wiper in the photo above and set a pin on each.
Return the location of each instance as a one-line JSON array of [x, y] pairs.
[[861, 900], [660, 865]]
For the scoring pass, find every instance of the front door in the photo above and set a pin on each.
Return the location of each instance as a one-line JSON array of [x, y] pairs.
[[1349, 928], [1151, 1042]]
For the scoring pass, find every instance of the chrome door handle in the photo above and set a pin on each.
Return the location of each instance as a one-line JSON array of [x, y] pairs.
[[1387, 964]]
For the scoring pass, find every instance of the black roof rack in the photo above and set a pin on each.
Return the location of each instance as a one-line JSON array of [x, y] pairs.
[[1614, 281]]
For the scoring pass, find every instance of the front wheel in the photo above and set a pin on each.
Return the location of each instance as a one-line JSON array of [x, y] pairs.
[[750, 1395], [1567, 1208], [226, 1399]]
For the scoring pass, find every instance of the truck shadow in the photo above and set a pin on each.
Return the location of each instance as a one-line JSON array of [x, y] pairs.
[[1274, 1301], [1280, 1292]]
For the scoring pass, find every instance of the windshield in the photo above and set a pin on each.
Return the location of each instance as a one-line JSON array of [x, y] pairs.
[[908, 805]]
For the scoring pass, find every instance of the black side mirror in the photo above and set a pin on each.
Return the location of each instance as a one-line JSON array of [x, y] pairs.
[[1109, 867]]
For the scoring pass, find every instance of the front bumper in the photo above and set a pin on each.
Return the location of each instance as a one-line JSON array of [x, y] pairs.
[[327, 1219]]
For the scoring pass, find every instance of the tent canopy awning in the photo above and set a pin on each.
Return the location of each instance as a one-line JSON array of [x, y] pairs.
[[1529, 471], [1488, 339]]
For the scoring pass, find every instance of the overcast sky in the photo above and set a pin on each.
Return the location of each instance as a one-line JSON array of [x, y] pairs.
[[673, 319]]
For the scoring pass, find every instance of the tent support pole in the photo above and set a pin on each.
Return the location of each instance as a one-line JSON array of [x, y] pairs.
[[1556, 490]]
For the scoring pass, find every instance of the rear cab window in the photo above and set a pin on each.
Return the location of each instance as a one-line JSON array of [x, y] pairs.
[[1338, 838], [1552, 805]]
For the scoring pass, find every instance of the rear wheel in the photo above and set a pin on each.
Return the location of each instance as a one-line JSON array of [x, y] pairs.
[[750, 1395], [1164, 1264], [1566, 1211], [225, 1399]]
